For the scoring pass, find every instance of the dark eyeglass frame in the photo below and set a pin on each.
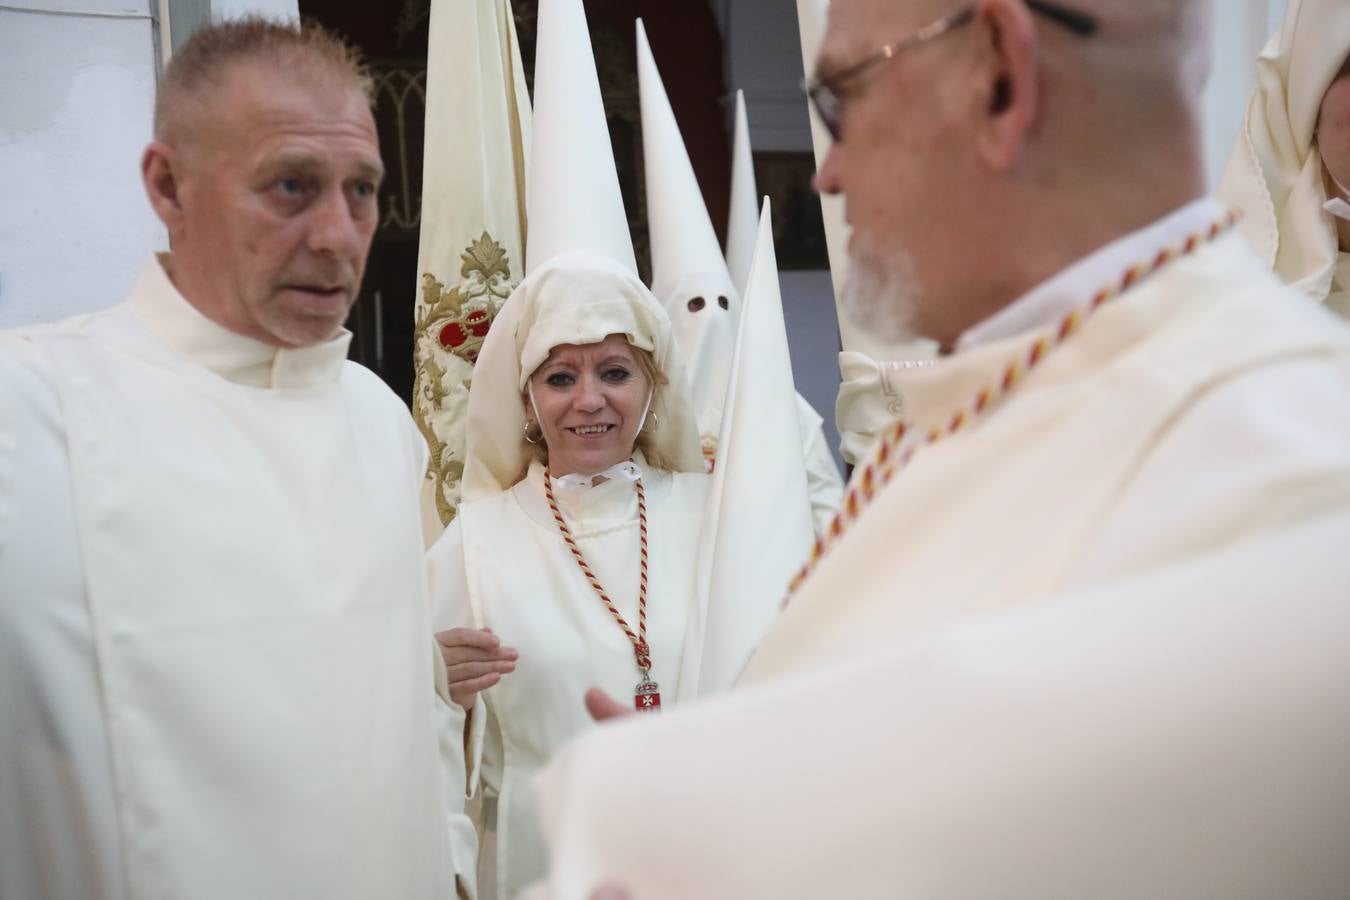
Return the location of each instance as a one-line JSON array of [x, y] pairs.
[[824, 92]]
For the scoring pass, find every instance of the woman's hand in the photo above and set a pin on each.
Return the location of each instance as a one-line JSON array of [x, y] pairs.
[[474, 660]]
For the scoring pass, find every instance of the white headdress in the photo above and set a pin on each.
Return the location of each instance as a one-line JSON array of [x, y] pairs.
[[759, 486], [1274, 175], [581, 284], [687, 263], [574, 202]]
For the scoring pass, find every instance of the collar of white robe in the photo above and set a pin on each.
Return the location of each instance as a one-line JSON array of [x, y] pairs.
[[627, 470], [1338, 206]]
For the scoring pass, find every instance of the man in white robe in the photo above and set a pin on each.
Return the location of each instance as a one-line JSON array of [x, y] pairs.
[[217, 674], [1068, 637]]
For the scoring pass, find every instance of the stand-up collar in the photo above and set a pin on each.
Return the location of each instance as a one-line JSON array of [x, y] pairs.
[[933, 390], [159, 305], [1054, 298]]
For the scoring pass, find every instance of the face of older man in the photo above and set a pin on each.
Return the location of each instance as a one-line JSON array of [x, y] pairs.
[[275, 204], [900, 162]]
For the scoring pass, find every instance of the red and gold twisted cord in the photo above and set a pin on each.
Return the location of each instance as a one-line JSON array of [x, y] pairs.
[[641, 649], [888, 459]]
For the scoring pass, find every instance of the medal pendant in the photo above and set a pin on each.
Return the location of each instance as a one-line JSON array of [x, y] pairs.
[[647, 696]]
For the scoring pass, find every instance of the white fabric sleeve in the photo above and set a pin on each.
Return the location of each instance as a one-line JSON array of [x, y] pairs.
[[447, 581], [1181, 734], [447, 585], [824, 486], [450, 731], [28, 403], [58, 805]]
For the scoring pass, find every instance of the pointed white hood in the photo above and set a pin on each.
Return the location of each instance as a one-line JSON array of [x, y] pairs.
[[759, 485], [574, 203], [689, 275]]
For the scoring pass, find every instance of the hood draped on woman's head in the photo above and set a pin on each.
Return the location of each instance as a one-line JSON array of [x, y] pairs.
[[581, 282], [1274, 175]]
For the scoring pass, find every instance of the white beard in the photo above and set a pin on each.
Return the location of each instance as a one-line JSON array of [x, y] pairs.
[[880, 295]]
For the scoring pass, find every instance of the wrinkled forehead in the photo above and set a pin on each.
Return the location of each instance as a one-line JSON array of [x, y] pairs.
[[258, 99], [856, 28]]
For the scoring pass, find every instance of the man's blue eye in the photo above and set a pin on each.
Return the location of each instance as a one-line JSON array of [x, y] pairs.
[[291, 185], [365, 189]]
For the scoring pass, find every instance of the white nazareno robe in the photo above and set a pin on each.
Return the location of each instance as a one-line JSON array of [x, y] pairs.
[[502, 564], [217, 677]]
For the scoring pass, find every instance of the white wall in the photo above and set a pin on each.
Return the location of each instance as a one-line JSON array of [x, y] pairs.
[[277, 9], [76, 94], [77, 86]]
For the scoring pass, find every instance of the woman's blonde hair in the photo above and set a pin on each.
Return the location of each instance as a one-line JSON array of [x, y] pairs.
[[646, 438]]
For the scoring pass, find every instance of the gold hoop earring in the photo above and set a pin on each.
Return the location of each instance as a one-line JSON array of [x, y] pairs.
[[536, 440], [655, 421]]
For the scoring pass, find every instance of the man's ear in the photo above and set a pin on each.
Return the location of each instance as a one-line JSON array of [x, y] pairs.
[[1010, 91], [161, 171]]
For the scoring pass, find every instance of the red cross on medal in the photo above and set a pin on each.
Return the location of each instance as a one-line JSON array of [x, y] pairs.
[[647, 696]]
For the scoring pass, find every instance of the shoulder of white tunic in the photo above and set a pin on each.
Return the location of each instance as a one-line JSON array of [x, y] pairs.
[[493, 506], [369, 386], [689, 488], [378, 399], [1232, 316], [31, 418], [27, 378], [39, 340]]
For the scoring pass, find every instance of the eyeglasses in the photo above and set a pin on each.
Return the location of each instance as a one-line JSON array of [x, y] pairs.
[[824, 93]]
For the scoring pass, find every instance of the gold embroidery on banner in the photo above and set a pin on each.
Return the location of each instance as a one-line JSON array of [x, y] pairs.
[[451, 325]]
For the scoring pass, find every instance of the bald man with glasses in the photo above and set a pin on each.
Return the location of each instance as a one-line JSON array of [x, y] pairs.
[[1079, 630]]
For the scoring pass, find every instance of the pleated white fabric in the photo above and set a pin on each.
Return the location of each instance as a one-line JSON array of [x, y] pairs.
[[1274, 175]]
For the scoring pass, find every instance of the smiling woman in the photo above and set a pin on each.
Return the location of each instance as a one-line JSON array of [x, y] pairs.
[[576, 544], [574, 561]]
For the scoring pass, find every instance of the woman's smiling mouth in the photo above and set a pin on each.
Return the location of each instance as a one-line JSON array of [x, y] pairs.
[[590, 430]]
